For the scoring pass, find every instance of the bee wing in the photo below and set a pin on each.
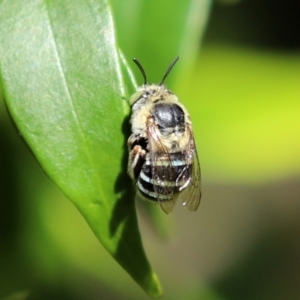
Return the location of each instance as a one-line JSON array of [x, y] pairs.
[[167, 206], [191, 195], [162, 171]]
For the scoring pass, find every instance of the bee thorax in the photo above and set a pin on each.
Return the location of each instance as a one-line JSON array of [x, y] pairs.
[[169, 115]]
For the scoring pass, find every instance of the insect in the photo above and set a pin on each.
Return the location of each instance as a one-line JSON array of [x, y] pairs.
[[163, 159]]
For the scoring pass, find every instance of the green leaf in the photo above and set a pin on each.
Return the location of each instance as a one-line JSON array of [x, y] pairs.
[[64, 84], [20, 295], [158, 31]]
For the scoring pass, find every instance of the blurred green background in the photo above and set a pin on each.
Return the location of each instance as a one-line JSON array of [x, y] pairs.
[[243, 96]]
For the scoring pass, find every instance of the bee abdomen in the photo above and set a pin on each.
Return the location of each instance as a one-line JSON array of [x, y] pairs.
[[165, 178]]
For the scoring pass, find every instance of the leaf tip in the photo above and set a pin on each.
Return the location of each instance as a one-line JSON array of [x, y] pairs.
[[155, 289]]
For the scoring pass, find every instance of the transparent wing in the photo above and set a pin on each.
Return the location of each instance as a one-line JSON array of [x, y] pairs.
[[167, 206], [163, 174], [191, 195]]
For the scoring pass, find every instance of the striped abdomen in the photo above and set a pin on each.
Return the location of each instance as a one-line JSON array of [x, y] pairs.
[[164, 178]]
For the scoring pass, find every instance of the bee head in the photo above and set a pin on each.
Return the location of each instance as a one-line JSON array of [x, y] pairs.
[[151, 92], [146, 91]]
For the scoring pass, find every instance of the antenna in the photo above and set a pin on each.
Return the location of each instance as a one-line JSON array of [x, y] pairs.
[[141, 69], [169, 69]]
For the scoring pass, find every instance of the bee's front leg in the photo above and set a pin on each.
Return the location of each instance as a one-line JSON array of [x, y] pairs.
[[136, 157]]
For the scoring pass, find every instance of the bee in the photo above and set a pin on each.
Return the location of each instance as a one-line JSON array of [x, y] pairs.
[[163, 159]]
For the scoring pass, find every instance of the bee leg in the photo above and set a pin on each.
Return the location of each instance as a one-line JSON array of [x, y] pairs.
[[132, 140], [136, 160]]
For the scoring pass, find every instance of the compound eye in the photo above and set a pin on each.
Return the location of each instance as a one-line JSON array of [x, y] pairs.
[[146, 95]]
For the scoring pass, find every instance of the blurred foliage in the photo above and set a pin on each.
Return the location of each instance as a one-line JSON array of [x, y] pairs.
[[269, 24], [66, 87], [243, 97], [255, 136], [158, 31]]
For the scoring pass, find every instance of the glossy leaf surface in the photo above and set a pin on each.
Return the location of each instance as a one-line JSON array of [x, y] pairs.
[[64, 84]]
